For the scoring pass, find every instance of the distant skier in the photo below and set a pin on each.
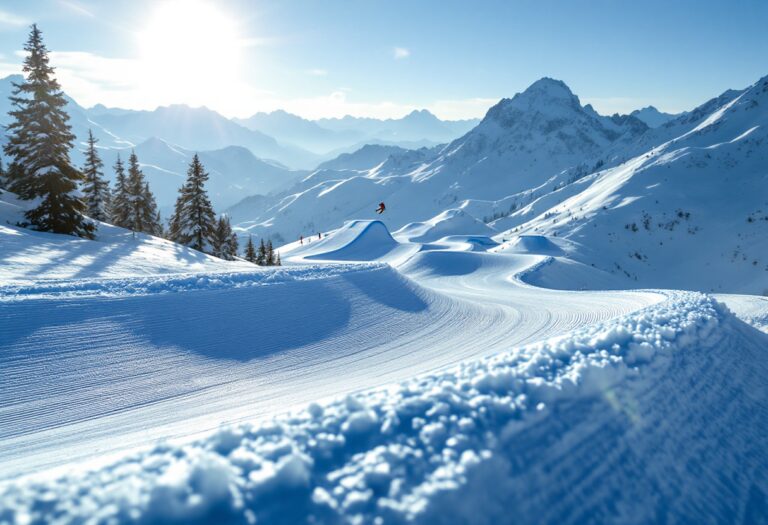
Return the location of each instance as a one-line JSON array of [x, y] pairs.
[[319, 235], [381, 208], [301, 240]]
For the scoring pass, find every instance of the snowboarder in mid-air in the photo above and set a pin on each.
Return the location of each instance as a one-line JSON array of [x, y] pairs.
[[381, 208]]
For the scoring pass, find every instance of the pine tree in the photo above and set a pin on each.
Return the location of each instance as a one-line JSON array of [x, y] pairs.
[[120, 209], [141, 205], [233, 246], [95, 189], [39, 140], [250, 251], [193, 223], [151, 215], [224, 240], [3, 182], [261, 255], [278, 262], [270, 254]]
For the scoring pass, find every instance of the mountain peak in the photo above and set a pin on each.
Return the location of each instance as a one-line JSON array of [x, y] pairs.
[[550, 87], [546, 96], [420, 114]]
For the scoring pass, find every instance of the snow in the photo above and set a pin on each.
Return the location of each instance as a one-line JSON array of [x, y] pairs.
[[446, 373], [450, 222], [700, 194], [584, 427], [538, 244], [355, 241], [30, 256]]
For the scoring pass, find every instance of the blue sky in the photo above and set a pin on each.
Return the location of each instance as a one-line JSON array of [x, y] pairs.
[[385, 58]]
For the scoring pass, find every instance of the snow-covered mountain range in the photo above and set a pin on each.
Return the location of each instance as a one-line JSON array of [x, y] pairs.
[[623, 197], [541, 136]]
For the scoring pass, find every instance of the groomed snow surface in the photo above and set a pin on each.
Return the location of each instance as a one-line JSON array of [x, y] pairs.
[[657, 416], [440, 390]]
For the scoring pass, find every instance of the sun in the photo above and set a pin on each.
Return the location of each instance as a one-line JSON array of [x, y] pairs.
[[190, 49]]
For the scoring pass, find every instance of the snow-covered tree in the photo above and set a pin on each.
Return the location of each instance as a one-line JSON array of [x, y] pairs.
[[39, 140], [193, 223], [120, 208], [95, 188], [224, 240], [250, 251], [142, 208]]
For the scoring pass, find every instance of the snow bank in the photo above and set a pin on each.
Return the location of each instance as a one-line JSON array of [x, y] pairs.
[[450, 222], [534, 244], [657, 416], [135, 286]]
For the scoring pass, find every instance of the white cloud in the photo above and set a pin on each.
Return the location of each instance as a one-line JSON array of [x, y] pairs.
[[9, 19], [401, 52], [317, 72]]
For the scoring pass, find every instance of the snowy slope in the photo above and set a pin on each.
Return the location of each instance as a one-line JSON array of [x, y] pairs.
[[285, 336], [610, 423], [30, 256], [689, 213], [444, 390]]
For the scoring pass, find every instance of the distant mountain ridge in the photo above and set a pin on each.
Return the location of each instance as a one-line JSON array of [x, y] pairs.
[[654, 118], [332, 136]]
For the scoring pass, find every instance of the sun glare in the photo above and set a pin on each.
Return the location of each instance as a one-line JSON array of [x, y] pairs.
[[190, 49]]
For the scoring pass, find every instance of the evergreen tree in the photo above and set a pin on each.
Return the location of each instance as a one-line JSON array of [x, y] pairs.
[[151, 215], [141, 205], [278, 262], [193, 223], [225, 240], [270, 254], [39, 140], [250, 251], [3, 182], [233, 246], [95, 189], [120, 209], [261, 255]]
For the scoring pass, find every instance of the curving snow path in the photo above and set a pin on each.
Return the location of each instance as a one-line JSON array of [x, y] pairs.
[[112, 366]]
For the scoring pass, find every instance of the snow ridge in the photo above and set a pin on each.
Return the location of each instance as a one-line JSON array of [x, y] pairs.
[[676, 384], [187, 282]]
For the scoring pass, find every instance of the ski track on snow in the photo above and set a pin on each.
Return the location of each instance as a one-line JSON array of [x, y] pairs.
[[117, 365]]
